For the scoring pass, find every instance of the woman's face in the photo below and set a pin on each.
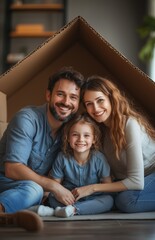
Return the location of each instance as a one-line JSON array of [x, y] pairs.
[[98, 106]]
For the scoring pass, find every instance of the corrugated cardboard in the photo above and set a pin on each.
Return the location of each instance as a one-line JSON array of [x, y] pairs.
[[80, 46], [3, 113], [3, 107], [3, 126]]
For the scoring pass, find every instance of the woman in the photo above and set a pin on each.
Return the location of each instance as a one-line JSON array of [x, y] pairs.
[[129, 146]]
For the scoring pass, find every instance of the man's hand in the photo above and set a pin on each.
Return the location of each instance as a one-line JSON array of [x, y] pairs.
[[64, 196], [18, 171]]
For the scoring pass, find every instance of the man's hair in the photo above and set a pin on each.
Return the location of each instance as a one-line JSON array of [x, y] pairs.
[[66, 73]]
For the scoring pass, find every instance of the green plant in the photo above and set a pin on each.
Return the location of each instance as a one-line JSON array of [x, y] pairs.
[[147, 31]]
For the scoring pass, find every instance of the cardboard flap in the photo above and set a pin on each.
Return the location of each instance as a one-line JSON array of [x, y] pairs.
[[3, 107]]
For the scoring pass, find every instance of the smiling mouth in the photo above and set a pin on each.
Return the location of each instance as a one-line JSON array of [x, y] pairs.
[[98, 114], [80, 145], [64, 108]]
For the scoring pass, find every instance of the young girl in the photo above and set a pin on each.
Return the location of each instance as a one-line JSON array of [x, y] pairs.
[[129, 145], [80, 163]]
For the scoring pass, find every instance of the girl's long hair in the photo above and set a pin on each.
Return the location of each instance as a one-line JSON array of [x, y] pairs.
[[122, 109], [84, 119]]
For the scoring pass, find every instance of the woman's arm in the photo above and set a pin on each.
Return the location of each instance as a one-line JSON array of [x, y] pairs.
[[99, 187], [134, 156], [106, 185]]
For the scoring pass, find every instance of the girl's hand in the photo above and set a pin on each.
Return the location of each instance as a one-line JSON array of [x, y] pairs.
[[82, 192]]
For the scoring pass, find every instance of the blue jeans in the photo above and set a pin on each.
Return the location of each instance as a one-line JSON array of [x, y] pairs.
[[138, 201], [90, 205], [18, 195]]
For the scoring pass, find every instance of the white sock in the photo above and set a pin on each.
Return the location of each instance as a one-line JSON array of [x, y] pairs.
[[42, 210], [65, 212]]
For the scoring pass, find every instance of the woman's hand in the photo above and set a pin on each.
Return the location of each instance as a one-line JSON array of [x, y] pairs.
[[82, 192]]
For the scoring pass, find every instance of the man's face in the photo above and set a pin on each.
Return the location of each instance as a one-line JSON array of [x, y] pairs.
[[64, 100]]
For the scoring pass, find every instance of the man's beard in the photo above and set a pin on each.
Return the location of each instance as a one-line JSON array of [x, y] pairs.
[[58, 117]]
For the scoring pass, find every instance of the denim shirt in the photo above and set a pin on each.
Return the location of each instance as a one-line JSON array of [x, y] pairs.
[[28, 140], [74, 175]]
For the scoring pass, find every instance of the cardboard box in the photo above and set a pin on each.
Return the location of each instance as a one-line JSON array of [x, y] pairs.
[[3, 107], [78, 45], [3, 113], [3, 126]]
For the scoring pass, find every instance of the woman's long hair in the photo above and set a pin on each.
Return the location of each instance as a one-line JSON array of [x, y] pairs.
[[83, 118], [122, 109]]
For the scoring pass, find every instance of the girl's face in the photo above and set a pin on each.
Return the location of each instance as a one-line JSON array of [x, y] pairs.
[[81, 137], [98, 106]]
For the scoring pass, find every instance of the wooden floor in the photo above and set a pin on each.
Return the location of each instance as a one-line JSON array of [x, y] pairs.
[[84, 230]]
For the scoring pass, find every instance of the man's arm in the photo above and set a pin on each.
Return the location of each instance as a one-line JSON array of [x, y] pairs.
[[19, 171]]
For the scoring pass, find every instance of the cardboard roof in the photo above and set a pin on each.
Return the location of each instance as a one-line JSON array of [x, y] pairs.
[[77, 44]]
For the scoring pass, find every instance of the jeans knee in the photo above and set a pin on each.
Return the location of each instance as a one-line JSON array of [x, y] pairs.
[[125, 202], [110, 201], [24, 195], [107, 202], [120, 202], [35, 190]]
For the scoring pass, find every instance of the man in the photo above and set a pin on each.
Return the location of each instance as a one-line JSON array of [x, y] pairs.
[[31, 143]]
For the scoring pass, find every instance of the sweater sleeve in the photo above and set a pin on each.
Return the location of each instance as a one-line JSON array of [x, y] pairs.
[[134, 156]]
